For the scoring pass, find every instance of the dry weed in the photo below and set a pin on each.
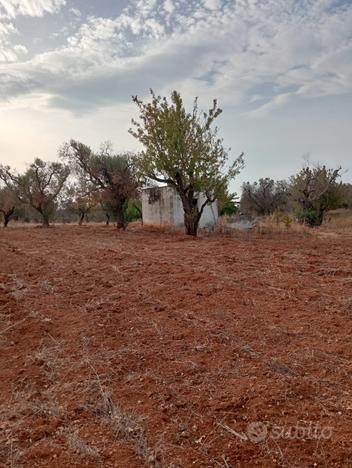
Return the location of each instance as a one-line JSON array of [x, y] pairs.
[[82, 447]]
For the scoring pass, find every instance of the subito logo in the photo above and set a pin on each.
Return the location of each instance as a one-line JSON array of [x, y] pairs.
[[257, 432]]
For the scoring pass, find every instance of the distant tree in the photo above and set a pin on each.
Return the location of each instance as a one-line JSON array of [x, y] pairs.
[[80, 198], [346, 195], [315, 191], [264, 197], [182, 150], [8, 204], [110, 176], [227, 202], [39, 187]]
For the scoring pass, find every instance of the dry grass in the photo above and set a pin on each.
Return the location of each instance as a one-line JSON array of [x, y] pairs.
[[125, 426], [81, 446], [266, 226], [49, 359], [338, 220], [163, 229]]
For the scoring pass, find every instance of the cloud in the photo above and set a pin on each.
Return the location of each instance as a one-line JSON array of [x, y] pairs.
[[76, 12], [9, 10], [212, 4], [217, 48], [13, 8]]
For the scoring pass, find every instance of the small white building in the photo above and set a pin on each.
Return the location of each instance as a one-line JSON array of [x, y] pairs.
[[162, 206]]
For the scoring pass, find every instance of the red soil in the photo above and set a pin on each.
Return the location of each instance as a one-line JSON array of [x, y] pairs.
[[152, 349]]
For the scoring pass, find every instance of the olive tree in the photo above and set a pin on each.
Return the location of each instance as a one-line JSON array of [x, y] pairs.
[[80, 199], [109, 176], [8, 204], [315, 191], [39, 186], [182, 149]]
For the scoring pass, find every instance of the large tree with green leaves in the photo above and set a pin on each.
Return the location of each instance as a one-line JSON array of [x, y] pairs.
[[39, 187], [110, 177], [315, 190], [183, 149]]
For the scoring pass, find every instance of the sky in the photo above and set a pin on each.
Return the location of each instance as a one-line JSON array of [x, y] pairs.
[[280, 69]]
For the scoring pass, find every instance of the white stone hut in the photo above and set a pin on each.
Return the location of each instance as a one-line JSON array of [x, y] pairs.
[[162, 206]]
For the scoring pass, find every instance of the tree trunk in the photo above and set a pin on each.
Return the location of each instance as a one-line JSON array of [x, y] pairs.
[[81, 219], [107, 219], [120, 217], [191, 212], [6, 219], [46, 222], [7, 216], [191, 218]]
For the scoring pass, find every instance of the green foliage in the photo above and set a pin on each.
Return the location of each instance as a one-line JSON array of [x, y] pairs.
[[314, 191], [133, 210], [110, 177], [227, 202], [311, 217], [182, 149], [229, 208]]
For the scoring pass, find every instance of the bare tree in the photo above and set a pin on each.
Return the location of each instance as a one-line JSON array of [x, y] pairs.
[[39, 186], [264, 197], [8, 204], [110, 176]]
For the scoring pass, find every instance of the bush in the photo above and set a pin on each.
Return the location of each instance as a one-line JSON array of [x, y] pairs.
[[229, 209], [132, 213], [310, 217]]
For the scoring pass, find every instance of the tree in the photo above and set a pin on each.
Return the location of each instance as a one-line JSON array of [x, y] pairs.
[[110, 176], [133, 210], [264, 197], [315, 191], [346, 191], [227, 202], [182, 150], [39, 186], [80, 199], [8, 204]]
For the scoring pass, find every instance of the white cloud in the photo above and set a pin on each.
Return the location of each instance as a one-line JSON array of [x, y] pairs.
[[13, 8], [274, 50], [169, 6], [212, 4], [9, 10]]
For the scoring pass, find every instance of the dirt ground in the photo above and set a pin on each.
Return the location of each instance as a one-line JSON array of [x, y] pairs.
[[146, 348]]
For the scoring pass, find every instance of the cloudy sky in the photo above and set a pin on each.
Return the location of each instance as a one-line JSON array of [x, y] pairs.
[[281, 70]]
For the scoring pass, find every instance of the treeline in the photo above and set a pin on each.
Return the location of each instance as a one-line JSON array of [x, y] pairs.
[[83, 185], [307, 195], [181, 149]]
